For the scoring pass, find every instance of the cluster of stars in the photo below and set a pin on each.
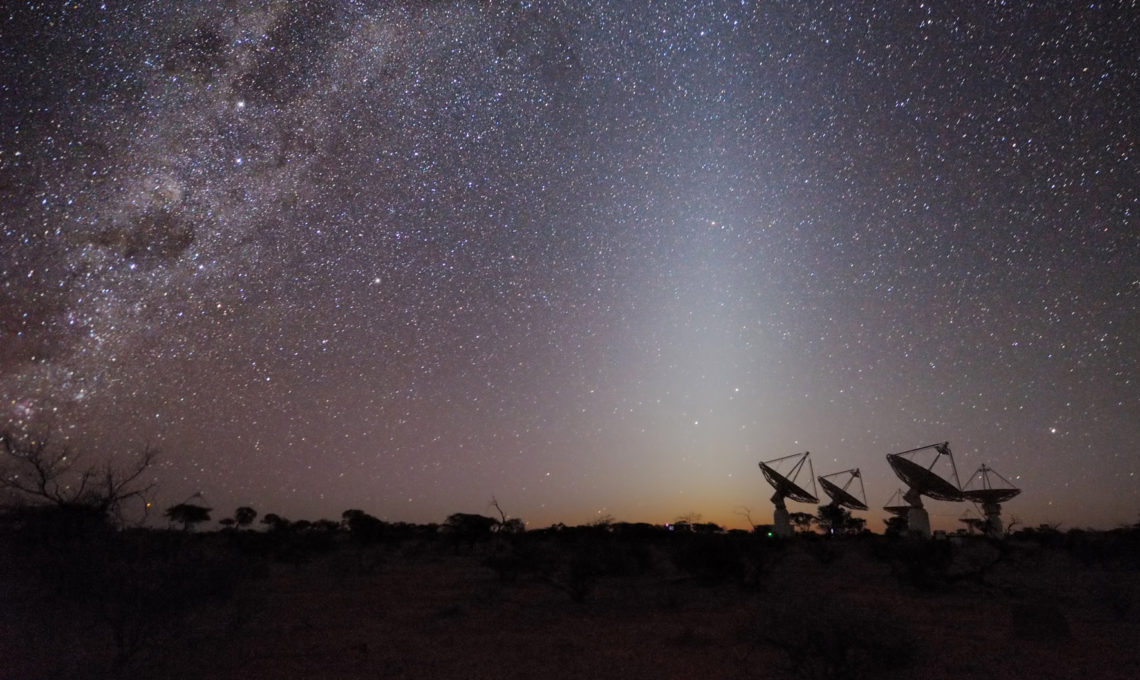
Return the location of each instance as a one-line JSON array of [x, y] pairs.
[[404, 256]]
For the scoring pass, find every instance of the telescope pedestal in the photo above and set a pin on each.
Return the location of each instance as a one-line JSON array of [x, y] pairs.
[[918, 522], [781, 526], [994, 528]]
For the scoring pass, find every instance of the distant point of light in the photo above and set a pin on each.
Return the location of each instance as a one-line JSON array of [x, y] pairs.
[[518, 328]]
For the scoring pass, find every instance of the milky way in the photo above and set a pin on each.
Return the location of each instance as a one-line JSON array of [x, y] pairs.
[[592, 258]]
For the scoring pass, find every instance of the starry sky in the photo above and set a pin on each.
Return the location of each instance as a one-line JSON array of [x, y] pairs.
[[588, 258]]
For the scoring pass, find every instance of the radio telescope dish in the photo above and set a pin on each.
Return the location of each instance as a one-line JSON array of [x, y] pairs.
[[896, 505], [972, 521], [982, 489], [785, 484], [922, 480], [842, 495], [783, 474], [984, 496]]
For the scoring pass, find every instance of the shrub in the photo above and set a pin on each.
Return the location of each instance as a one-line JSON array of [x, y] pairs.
[[828, 638], [710, 558]]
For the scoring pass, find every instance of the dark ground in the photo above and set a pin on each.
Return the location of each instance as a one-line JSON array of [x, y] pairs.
[[580, 603]]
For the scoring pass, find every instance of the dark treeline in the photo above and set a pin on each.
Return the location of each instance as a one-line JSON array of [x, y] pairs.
[[89, 593], [128, 593]]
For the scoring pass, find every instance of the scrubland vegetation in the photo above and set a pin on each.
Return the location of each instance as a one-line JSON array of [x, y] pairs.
[[477, 596], [86, 595]]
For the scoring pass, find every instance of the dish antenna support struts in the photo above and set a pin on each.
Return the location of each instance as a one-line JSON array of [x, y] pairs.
[[973, 522], [787, 486], [845, 495], [896, 505], [982, 490], [921, 480]]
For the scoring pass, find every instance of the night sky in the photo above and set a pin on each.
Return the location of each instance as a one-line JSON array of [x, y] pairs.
[[587, 258]]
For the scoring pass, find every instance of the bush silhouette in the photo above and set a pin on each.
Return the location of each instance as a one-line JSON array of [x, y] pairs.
[[364, 528], [36, 472], [188, 514], [710, 558], [244, 516], [833, 518], [466, 529], [275, 522], [824, 638]]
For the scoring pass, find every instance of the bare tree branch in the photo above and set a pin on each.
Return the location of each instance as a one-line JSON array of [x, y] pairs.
[[746, 512], [35, 471], [495, 504]]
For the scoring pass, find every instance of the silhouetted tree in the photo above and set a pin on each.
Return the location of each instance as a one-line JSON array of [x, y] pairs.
[[603, 522], [833, 518], [227, 522], [244, 516], [326, 526], [275, 522], [363, 528], [35, 471], [707, 528], [469, 524], [802, 521], [512, 525], [746, 512], [468, 528], [896, 525], [188, 514]]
